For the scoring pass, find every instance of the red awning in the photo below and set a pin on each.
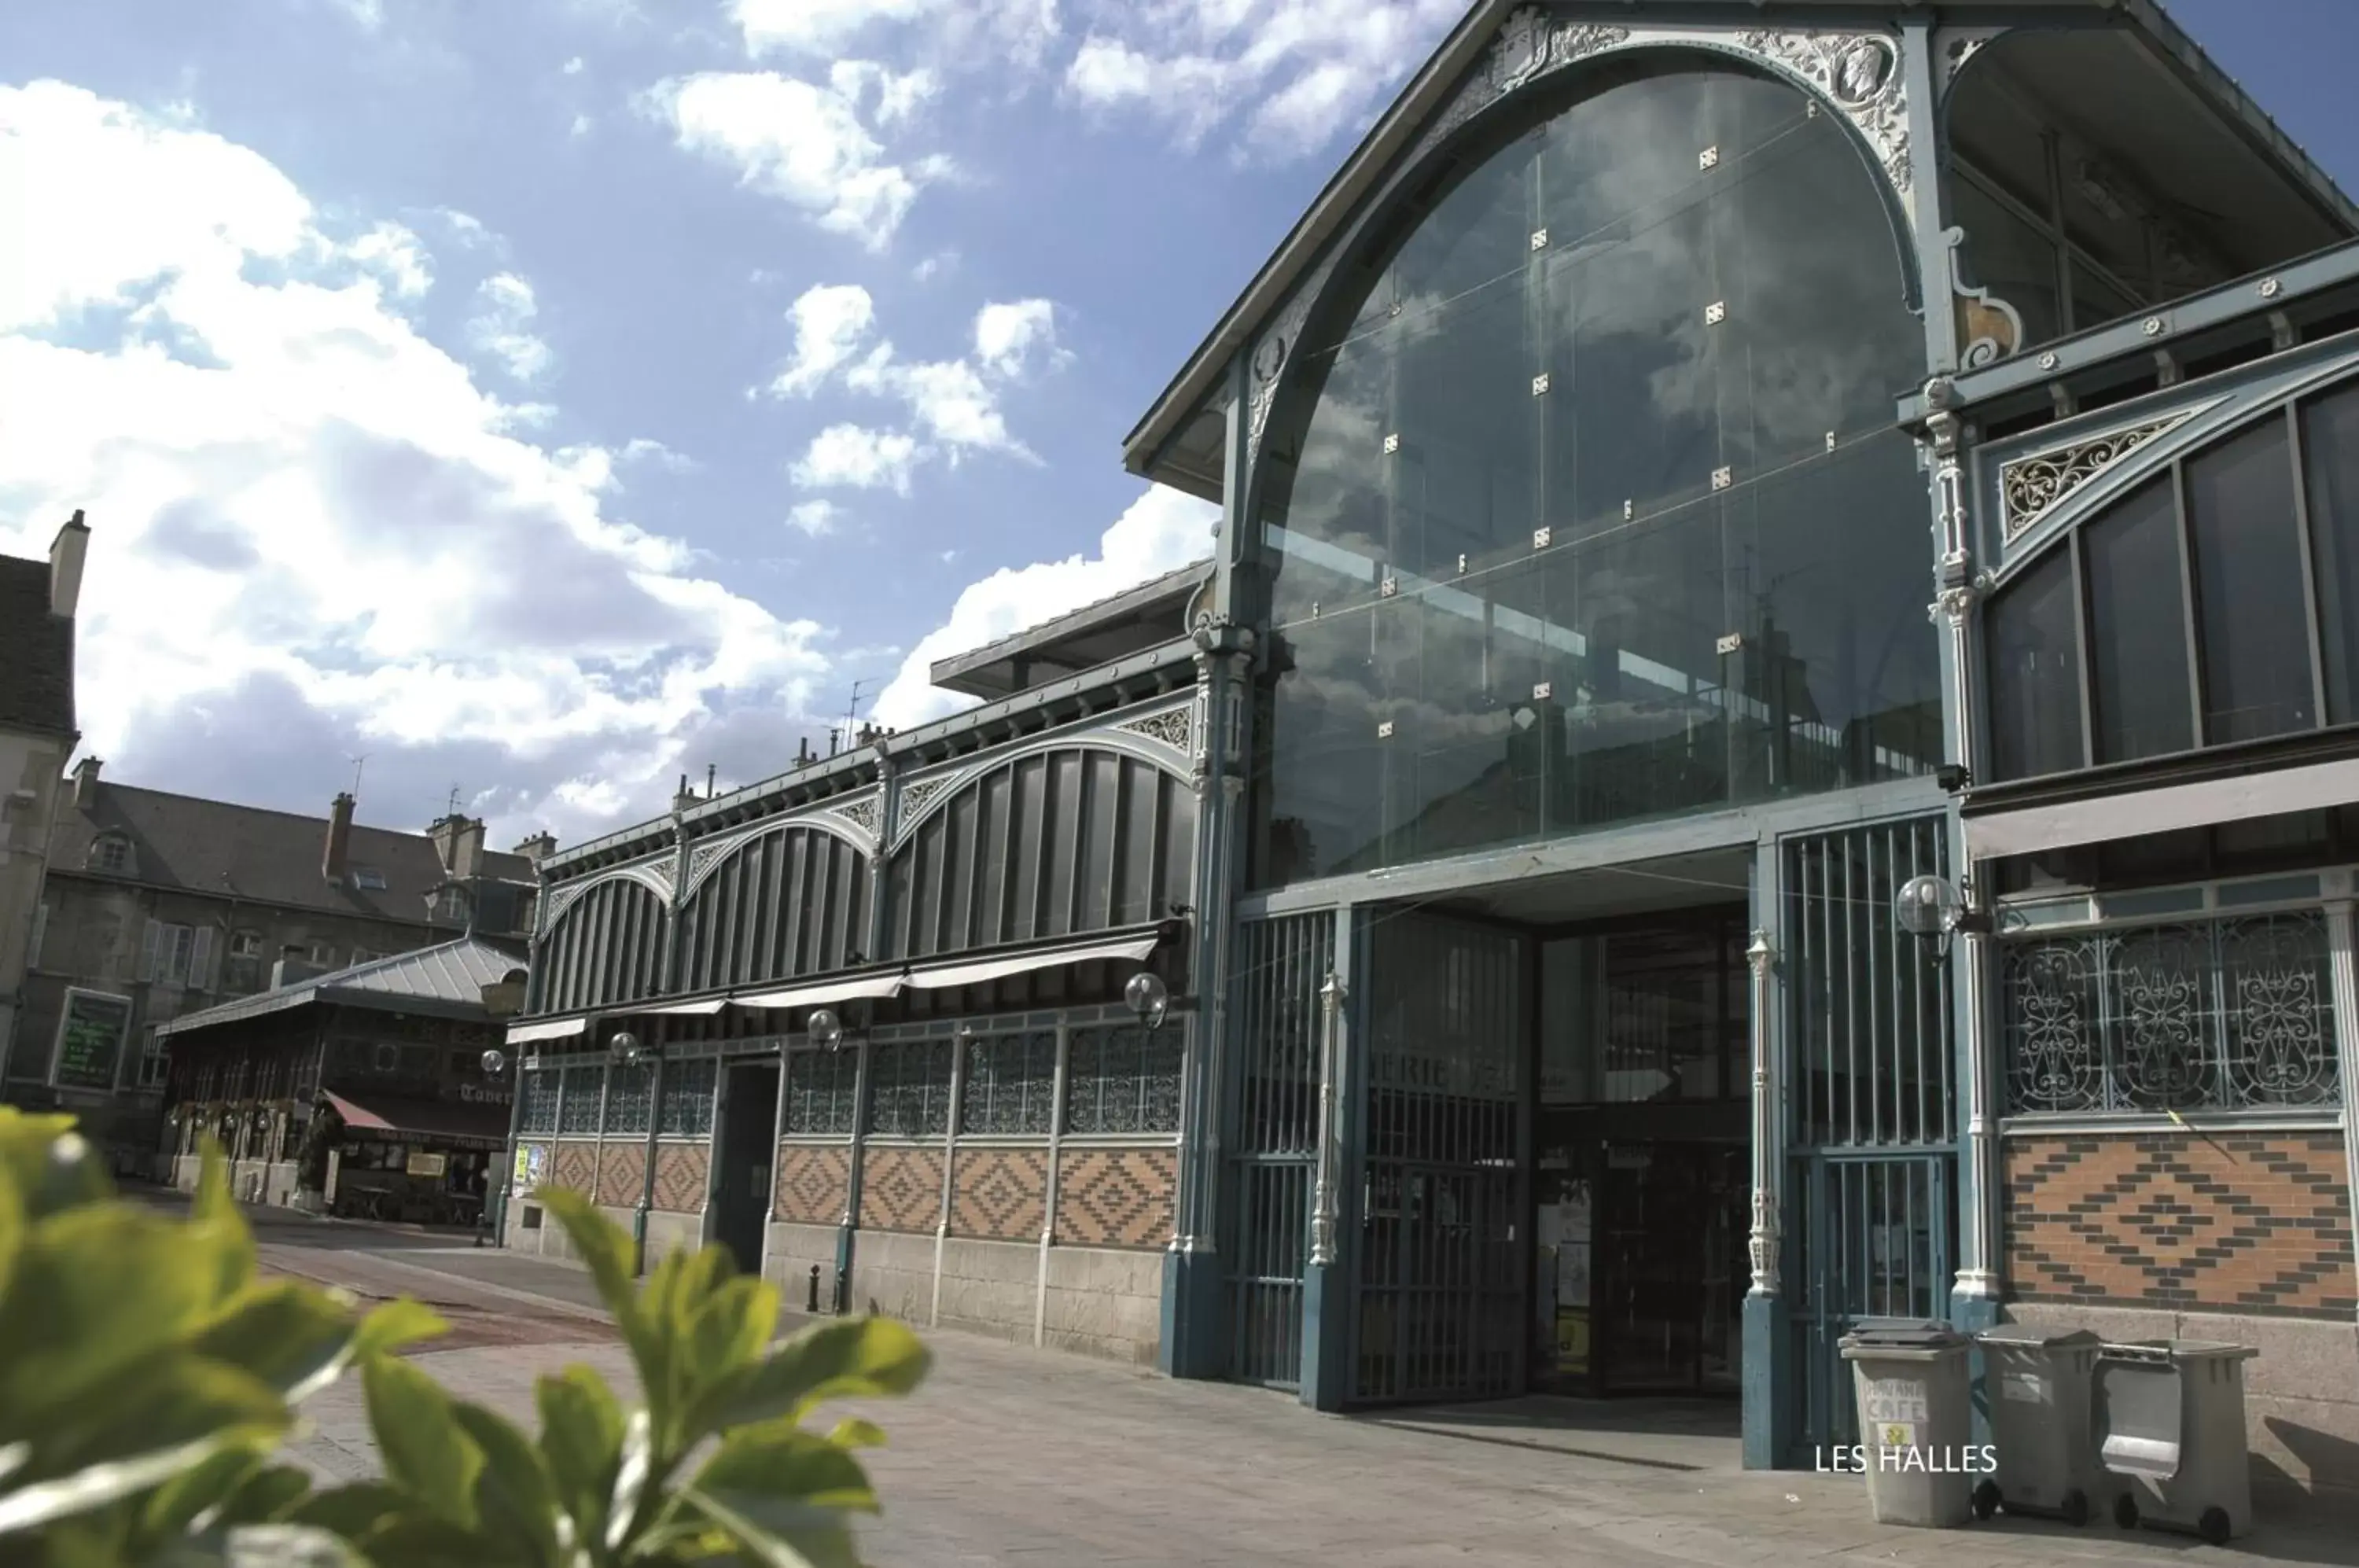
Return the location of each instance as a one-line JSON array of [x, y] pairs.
[[422, 1121]]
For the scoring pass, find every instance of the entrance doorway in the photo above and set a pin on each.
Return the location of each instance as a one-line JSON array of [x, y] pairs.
[[1642, 1189], [748, 1143]]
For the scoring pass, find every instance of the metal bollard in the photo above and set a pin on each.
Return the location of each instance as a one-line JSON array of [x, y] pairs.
[[812, 1305]]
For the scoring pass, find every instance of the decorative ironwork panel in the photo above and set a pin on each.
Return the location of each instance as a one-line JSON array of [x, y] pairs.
[[1124, 1079], [821, 1089], [537, 1118], [909, 1088], [1870, 1061], [578, 1110], [2216, 1015], [1011, 1085], [630, 1100], [688, 1090]]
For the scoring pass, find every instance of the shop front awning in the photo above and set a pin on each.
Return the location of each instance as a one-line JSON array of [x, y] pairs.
[[982, 971], [703, 1009], [444, 1123], [2135, 814], [826, 992], [552, 1029]]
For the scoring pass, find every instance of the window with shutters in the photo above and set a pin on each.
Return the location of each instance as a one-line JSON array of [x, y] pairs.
[[41, 935], [111, 851], [171, 952], [154, 1059]]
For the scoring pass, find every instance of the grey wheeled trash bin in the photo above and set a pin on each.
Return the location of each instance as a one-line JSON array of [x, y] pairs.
[[2169, 1419], [1916, 1420], [2038, 1387]]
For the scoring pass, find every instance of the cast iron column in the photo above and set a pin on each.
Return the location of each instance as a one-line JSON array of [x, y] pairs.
[[1769, 1347]]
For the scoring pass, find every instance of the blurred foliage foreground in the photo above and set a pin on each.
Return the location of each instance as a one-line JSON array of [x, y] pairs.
[[147, 1378]]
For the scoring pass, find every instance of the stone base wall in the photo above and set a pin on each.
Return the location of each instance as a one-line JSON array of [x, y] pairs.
[[1099, 1301], [534, 1231], [787, 1254], [668, 1233], [2301, 1392]]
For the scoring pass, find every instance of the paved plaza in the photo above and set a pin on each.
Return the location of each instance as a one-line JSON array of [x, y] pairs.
[[1012, 1457]]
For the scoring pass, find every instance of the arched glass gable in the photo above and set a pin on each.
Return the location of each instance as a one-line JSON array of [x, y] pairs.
[[1587, 505], [2217, 603]]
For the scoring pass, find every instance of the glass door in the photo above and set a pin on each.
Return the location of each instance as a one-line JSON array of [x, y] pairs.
[[1653, 1268]]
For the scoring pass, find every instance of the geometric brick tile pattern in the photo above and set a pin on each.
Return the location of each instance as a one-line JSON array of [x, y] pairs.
[[682, 1170], [622, 1173], [574, 1165], [999, 1194], [1116, 1197], [2256, 1223], [900, 1188], [813, 1183]]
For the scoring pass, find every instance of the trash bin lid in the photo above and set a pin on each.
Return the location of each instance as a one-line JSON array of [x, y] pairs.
[[2211, 1349], [2019, 1336], [1903, 1333]]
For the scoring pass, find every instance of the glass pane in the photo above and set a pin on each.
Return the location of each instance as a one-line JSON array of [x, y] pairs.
[[2254, 624], [2011, 258], [2096, 302], [2331, 437], [1687, 383], [2137, 628], [2035, 672]]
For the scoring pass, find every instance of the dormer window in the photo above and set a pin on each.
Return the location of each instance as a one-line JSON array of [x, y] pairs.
[[368, 878], [450, 904], [111, 853]]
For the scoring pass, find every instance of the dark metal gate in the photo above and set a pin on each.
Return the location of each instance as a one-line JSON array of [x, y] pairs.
[[1440, 1300], [1273, 1120], [1872, 1119]]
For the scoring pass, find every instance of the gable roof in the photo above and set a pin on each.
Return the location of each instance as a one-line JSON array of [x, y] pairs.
[[447, 980], [37, 652], [1198, 384], [258, 857], [1139, 617]]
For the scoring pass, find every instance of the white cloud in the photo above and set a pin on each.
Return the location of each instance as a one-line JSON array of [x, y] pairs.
[[313, 532], [581, 127], [805, 145], [1006, 335], [1163, 529], [574, 65], [814, 518], [824, 28], [854, 458], [396, 256], [639, 449], [369, 14], [830, 323], [952, 404], [501, 328]]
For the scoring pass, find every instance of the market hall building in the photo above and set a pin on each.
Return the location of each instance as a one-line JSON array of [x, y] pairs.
[[1686, 478]]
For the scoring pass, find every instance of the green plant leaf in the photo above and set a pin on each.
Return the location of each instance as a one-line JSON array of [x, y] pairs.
[[582, 1441], [87, 1488], [515, 1496], [634, 1468], [52, 1166], [604, 1246], [852, 1358], [294, 1336], [356, 1512], [780, 1535], [853, 1432], [785, 1465], [392, 1325], [97, 1288], [257, 1545], [427, 1453], [157, 1418], [722, 1341], [184, 1504], [214, 1215]]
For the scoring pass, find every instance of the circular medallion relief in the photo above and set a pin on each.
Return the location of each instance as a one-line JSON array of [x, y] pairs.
[[1862, 71], [1269, 359]]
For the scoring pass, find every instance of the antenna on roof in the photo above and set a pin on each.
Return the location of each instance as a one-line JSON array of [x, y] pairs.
[[454, 802], [852, 715], [358, 762]]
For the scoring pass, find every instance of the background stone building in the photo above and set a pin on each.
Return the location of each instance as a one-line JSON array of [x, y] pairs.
[[38, 599], [158, 904]]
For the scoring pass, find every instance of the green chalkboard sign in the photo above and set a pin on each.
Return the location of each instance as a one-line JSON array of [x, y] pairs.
[[90, 1041]]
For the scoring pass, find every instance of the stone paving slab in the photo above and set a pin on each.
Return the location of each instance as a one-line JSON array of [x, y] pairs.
[[1015, 1456]]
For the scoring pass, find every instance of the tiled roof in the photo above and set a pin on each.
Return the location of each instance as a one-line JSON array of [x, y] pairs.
[[447, 980], [260, 856], [37, 651]]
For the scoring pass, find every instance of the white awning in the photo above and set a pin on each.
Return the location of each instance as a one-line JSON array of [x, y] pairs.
[[976, 972], [557, 1029], [2137, 813], [821, 995], [682, 1009]]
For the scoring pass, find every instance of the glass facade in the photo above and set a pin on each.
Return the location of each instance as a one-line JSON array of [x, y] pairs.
[[2211, 605], [1590, 509]]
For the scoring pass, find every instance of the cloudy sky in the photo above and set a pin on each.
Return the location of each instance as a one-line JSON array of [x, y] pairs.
[[548, 397]]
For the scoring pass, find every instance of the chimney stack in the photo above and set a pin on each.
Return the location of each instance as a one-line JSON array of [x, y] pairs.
[[459, 845], [67, 552], [711, 773], [340, 840], [684, 797], [538, 848], [85, 786]]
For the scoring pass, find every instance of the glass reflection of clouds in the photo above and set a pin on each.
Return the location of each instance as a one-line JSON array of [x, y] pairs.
[[1728, 602]]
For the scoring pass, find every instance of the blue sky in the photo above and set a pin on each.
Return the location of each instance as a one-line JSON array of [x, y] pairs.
[[551, 396]]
